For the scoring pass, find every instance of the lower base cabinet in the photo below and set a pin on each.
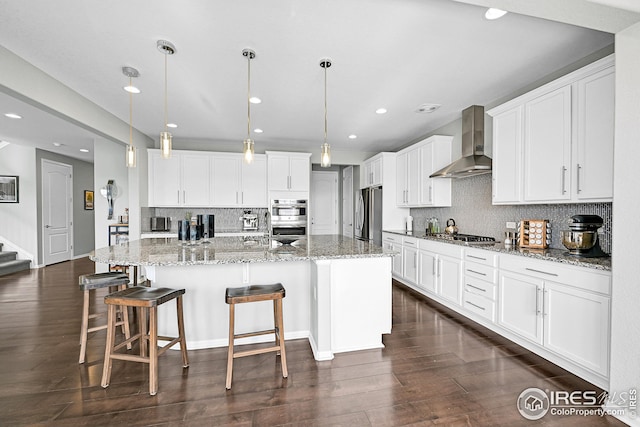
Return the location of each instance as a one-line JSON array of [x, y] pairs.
[[449, 276]]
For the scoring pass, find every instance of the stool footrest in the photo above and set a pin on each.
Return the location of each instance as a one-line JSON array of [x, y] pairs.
[[130, 357], [256, 351], [254, 334]]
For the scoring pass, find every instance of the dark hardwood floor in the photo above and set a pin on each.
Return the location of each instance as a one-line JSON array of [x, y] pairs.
[[436, 369]]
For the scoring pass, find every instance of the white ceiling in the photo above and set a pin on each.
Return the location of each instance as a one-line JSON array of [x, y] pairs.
[[393, 54]]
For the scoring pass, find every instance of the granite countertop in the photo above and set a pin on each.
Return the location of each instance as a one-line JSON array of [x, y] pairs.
[[229, 250], [554, 255]]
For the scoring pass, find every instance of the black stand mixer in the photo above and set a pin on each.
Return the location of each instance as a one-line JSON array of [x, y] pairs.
[[582, 237]]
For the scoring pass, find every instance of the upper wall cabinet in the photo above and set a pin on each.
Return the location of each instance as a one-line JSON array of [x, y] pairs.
[[371, 172], [415, 164], [182, 180], [238, 184], [289, 172], [555, 143]]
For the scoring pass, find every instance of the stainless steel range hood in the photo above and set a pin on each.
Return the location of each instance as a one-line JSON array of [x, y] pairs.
[[473, 161]]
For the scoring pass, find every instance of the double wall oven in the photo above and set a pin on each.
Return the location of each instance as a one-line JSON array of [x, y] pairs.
[[289, 217]]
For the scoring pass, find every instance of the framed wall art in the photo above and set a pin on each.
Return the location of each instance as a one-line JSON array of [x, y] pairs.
[[88, 200], [9, 189]]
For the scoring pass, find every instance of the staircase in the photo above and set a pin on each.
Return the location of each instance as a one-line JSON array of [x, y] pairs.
[[9, 264]]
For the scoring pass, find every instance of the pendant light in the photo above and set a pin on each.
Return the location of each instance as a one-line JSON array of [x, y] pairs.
[[130, 158], [247, 145], [325, 155], [167, 48]]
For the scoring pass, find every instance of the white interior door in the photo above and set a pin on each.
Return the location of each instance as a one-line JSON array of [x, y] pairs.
[[347, 201], [324, 202], [57, 212]]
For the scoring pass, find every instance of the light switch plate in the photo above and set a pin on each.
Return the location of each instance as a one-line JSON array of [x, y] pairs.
[[511, 225]]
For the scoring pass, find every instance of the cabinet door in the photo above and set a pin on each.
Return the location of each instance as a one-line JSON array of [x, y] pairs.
[[164, 180], [449, 280], [547, 147], [278, 172], [254, 183], [520, 305], [427, 270], [300, 172], [376, 172], [396, 268], [426, 186], [226, 181], [577, 326], [410, 264], [401, 179], [507, 156], [196, 179], [413, 177], [594, 163]]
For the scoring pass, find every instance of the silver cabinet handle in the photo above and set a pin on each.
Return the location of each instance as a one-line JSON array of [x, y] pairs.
[[476, 287], [433, 266], [475, 305], [544, 304], [439, 267], [184, 196], [540, 271], [578, 177], [47, 226], [476, 257], [236, 197], [178, 196], [564, 172], [476, 272], [430, 193], [415, 260]]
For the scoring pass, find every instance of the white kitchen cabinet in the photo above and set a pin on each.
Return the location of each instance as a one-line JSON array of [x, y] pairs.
[[237, 184], [435, 153], [182, 180], [555, 143], [427, 270], [289, 171], [449, 279], [408, 177], [371, 172], [393, 242], [480, 279], [547, 147], [410, 259], [564, 309], [594, 147]]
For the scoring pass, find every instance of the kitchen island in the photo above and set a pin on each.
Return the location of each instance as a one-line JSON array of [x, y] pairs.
[[338, 289]]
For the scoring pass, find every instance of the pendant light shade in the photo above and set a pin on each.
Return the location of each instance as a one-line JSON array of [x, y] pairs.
[[167, 48], [248, 146], [130, 158], [325, 155]]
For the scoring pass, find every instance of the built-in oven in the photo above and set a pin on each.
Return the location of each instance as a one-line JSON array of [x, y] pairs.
[[288, 217]]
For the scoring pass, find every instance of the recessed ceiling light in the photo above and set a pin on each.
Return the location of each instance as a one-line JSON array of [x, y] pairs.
[[257, 130], [172, 125], [494, 13], [255, 100], [352, 136], [13, 116], [427, 108], [57, 144], [131, 89], [84, 150], [381, 111]]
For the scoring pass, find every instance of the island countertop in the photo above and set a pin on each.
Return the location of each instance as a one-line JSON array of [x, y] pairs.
[[230, 250]]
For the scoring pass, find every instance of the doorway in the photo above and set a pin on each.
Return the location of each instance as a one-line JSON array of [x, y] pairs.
[[324, 202], [57, 212]]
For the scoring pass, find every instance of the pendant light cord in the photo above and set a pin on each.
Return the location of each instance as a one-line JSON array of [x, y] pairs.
[[130, 114], [166, 114], [325, 102], [249, 95]]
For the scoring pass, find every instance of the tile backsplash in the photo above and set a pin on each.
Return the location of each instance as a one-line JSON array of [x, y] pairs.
[[474, 214], [226, 219]]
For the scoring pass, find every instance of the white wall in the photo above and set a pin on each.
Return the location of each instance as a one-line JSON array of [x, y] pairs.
[[625, 333], [18, 230], [108, 164]]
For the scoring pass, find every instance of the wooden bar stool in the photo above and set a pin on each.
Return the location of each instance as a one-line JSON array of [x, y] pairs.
[[146, 300], [91, 282], [256, 293]]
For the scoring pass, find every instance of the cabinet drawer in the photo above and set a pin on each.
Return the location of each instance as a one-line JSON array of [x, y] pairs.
[[448, 249], [580, 277], [480, 287], [410, 241], [479, 305], [393, 238], [481, 257], [480, 271]]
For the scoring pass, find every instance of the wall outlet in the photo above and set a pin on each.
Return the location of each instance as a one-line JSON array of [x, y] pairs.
[[511, 225]]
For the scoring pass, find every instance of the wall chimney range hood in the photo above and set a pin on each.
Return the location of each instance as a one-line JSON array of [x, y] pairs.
[[473, 161]]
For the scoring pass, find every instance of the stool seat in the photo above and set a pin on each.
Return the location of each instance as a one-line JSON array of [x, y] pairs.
[[102, 280], [146, 300], [140, 296], [92, 282], [254, 293]]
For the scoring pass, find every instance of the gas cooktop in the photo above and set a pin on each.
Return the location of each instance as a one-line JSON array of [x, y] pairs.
[[466, 238]]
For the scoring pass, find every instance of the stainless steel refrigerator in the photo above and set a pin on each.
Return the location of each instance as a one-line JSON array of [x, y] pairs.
[[369, 215]]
